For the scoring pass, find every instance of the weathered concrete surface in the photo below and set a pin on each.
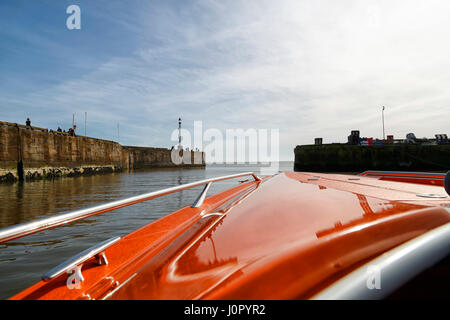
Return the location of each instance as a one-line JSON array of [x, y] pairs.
[[351, 158], [31, 153], [56, 172], [143, 157], [8, 175]]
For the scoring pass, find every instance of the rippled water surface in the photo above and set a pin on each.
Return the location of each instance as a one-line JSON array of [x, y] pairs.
[[23, 261]]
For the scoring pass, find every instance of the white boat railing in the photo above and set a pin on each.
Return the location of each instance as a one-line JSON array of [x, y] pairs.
[[27, 228], [76, 262], [406, 174], [396, 267]]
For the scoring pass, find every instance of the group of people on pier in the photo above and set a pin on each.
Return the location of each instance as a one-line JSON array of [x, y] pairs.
[[71, 130]]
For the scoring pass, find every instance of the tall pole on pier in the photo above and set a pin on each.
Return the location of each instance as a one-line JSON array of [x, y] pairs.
[[85, 120], [179, 133], [382, 116]]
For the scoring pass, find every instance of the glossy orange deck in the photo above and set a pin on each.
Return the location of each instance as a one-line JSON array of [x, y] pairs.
[[286, 237]]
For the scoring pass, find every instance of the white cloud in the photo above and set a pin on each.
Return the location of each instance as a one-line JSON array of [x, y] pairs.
[[312, 69]]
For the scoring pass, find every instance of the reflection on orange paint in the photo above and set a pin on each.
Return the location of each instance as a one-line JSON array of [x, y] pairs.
[[286, 237]]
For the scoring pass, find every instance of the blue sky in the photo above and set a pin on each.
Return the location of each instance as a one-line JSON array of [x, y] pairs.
[[309, 68]]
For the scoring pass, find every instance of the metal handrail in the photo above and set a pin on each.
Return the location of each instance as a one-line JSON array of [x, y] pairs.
[[71, 263], [27, 228], [436, 175], [394, 268]]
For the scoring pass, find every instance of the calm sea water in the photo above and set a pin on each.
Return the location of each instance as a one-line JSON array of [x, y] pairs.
[[23, 261]]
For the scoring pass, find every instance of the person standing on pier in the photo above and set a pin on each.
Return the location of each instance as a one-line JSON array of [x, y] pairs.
[[28, 122]]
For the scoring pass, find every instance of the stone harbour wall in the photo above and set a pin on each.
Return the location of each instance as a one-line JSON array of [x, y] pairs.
[[28, 153], [142, 157], [352, 158]]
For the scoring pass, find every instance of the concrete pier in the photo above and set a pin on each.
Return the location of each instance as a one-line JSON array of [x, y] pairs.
[[28, 153], [355, 158]]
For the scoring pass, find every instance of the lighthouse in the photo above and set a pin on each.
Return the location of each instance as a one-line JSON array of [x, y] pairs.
[[179, 134]]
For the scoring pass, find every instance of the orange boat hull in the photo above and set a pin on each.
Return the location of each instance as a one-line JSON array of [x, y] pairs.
[[286, 237]]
